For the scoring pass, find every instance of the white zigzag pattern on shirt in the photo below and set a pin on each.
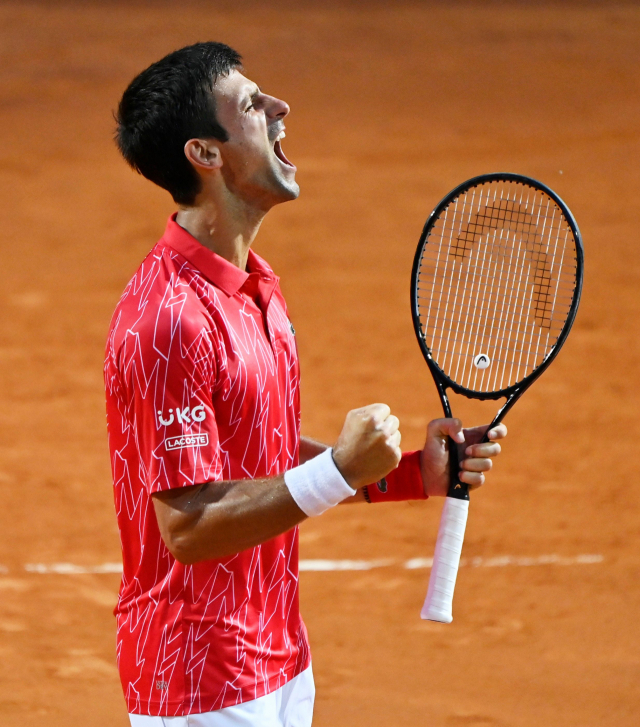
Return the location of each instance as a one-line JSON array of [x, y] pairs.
[[242, 368]]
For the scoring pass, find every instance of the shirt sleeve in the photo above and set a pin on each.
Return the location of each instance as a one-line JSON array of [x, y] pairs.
[[169, 375]]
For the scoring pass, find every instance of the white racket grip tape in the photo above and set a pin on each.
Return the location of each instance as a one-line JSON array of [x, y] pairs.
[[437, 605]]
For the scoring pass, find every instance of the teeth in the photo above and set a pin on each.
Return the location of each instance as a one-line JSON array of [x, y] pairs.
[[280, 136]]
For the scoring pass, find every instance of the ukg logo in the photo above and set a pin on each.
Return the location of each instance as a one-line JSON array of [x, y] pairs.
[[183, 416]]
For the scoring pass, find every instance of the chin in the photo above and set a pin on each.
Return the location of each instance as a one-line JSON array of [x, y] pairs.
[[283, 182], [284, 190], [291, 191], [266, 191]]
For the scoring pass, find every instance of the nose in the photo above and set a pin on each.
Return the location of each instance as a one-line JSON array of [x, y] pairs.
[[277, 108]]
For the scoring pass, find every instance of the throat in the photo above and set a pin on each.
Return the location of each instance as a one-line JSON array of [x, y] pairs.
[[229, 233]]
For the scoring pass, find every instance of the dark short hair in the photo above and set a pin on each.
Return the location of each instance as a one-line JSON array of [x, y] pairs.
[[166, 105]]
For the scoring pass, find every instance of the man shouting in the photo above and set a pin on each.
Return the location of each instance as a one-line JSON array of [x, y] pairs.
[[211, 474]]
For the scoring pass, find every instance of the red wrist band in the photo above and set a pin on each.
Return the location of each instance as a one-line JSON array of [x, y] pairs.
[[402, 483]]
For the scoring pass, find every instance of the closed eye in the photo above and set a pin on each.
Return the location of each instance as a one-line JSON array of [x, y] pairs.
[[254, 96]]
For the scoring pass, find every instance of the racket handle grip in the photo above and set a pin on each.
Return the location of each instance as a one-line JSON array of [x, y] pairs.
[[437, 605]]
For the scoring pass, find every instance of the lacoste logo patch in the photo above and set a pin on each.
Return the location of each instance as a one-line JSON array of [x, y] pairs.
[[187, 440]]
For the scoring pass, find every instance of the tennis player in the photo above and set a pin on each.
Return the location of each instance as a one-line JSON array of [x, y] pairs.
[[211, 474]]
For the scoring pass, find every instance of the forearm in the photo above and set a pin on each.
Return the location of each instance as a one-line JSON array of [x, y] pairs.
[[310, 448], [218, 519], [223, 518]]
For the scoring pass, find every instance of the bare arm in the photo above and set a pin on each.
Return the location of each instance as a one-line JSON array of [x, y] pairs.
[[217, 519], [222, 518]]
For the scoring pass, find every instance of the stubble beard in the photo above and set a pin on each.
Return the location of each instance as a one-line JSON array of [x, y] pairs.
[[274, 188]]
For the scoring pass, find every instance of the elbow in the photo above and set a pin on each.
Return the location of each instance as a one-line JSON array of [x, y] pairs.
[[190, 538], [181, 547], [180, 526], [189, 551], [188, 548], [183, 557]]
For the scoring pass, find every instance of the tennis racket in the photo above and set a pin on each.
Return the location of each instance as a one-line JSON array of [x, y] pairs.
[[495, 287]]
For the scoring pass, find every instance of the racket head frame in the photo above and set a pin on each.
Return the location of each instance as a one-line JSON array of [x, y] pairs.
[[511, 393]]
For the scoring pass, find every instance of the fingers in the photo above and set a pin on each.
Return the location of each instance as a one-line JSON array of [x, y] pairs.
[[393, 441], [486, 449], [368, 447], [478, 456], [473, 436], [499, 432], [378, 413], [446, 428], [476, 434], [476, 465], [390, 425], [477, 460], [391, 428], [473, 479], [474, 455]]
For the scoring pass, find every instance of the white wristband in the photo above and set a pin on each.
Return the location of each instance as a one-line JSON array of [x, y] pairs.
[[317, 485]]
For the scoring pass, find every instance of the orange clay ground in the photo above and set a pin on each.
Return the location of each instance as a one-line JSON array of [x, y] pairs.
[[392, 105]]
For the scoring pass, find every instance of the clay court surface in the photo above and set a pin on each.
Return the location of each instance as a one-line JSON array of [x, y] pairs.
[[392, 105]]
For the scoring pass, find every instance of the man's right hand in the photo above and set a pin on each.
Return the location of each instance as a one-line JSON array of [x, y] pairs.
[[368, 447]]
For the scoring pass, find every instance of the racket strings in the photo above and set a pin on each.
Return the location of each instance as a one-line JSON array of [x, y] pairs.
[[495, 284], [508, 214]]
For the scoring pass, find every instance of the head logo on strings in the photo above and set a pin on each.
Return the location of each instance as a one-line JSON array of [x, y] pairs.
[[507, 214]]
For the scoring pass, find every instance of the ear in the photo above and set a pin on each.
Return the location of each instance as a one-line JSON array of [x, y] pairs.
[[204, 154]]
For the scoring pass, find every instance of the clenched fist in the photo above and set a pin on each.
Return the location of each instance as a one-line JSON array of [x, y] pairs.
[[368, 447]]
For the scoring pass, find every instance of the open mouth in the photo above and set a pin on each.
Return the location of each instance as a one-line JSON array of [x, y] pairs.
[[277, 148]]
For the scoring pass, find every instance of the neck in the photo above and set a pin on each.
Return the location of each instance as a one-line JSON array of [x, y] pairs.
[[228, 230]]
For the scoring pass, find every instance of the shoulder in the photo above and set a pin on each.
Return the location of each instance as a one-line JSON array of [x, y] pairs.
[[161, 306]]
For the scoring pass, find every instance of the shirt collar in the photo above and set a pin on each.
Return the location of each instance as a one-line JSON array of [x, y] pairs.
[[223, 274]]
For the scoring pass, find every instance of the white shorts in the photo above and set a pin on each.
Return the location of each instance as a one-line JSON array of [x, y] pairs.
[[289, 706]]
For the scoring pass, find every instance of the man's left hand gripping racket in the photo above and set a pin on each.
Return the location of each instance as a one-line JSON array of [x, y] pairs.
[[495, 288]]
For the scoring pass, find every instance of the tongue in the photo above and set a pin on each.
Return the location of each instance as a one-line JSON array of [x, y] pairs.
[[280, 154]]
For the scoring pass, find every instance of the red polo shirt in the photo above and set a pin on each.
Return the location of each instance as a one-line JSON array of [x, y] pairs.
[[202, 383]]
